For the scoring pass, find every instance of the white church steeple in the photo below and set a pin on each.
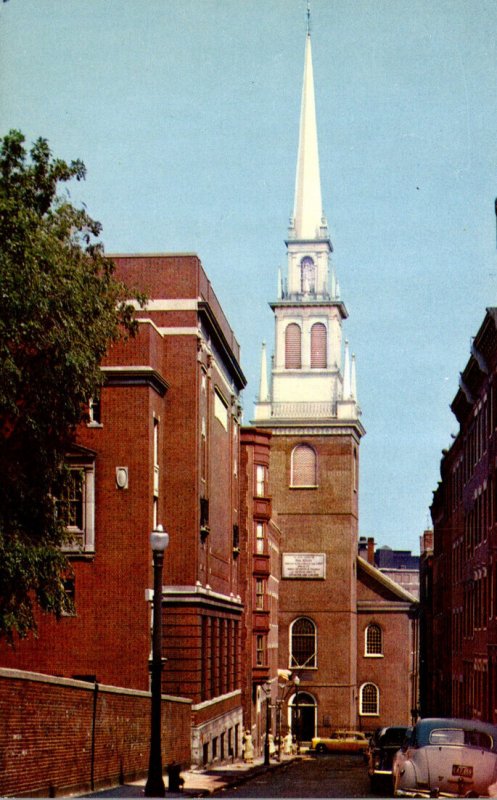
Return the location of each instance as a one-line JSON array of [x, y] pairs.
[[311, 378]]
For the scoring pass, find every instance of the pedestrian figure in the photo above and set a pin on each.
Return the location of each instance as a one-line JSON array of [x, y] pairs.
[[248, 748], [287, 744]]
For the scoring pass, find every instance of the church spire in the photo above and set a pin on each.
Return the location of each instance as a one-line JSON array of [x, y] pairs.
[[308, 221]]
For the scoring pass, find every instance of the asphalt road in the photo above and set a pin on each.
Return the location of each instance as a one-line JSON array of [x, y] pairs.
[[337, 775]]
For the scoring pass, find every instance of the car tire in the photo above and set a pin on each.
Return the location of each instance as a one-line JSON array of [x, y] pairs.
[[321, 748]]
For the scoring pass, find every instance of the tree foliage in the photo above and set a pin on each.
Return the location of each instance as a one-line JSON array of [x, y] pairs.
[[60, 308]]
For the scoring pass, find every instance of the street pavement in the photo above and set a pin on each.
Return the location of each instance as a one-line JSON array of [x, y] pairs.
[[199, 782]]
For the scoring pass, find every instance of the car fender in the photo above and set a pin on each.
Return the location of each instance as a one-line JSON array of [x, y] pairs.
[[405, 776]]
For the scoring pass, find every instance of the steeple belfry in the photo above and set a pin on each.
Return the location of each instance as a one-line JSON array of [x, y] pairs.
[[308, 210]]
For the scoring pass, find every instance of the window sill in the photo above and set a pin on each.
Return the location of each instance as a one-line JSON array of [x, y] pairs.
[[94, 425], [374, 655], [310, 486], [305, 669]]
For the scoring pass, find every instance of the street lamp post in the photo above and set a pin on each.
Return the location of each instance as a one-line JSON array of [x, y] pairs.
[[155, 787], [296, 682]]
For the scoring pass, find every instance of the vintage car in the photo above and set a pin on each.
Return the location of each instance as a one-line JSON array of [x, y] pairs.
[[341, 742], [446, 758], [383, 745]]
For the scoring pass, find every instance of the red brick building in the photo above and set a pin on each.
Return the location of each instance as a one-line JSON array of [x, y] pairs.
[[163, 446], [460, 601], [260, 568], [328, 598]]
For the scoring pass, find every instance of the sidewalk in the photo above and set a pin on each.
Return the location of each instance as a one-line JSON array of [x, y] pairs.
[[201, 782]]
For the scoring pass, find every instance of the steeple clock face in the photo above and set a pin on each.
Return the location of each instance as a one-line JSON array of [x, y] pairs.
[[307, 276]]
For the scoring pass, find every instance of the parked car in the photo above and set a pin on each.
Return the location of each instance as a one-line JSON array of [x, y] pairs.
[[383, 745], [341, 742], [449, 757]]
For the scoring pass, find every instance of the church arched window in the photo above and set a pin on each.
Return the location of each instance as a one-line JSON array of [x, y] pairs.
[[293, 346], [374, 640], [369, 700], [307, 276], [304, 466], [318, 346], [303, 642]]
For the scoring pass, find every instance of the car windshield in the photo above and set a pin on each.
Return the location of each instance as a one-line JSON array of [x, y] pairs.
[[460, 736]]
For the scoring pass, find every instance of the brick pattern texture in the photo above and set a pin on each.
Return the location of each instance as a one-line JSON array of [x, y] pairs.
[[60, 736]]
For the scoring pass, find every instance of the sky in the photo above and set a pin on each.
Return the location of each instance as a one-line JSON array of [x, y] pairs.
[[186, 115]]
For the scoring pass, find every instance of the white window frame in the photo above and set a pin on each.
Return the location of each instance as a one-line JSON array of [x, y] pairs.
[[361, 700], [84, 537], [260, 480], [367, 654]]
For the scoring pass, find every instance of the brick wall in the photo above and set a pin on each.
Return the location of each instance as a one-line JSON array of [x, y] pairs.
[[59, 735]]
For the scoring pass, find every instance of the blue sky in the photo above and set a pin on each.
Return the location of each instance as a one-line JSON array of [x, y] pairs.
[[186, 116]]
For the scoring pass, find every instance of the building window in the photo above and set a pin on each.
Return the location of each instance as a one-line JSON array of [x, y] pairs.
[[95, 410], [374, 641], [303, 643], [259, 594], [221, 410], [260, 480], [369, 700], [304, 466], [260, 650], [260, 544], [307, 276], [293, 346], [77, 509], [70, 590], [318, 346]]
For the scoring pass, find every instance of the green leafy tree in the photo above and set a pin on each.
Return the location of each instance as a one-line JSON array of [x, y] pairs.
[[60, 308]]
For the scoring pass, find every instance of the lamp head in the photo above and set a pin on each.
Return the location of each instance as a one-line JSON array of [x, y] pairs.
[[296, 680], [159, 539]]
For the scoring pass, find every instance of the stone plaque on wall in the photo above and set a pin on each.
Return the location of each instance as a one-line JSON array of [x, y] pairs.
[[304, 565]]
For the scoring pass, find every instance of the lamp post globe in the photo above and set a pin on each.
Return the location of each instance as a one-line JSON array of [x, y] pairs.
[[155, 787]]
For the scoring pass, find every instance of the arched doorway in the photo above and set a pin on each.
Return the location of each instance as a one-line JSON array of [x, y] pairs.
[[305, 728]]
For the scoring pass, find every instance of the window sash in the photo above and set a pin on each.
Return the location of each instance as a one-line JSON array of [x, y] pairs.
[[303, 644], [369, 699]]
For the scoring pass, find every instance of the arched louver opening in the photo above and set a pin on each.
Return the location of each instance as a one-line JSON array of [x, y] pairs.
[[318, 346], [293, 346]]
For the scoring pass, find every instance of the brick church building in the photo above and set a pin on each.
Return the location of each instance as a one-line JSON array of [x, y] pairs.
[[262, 577], [340, 620]]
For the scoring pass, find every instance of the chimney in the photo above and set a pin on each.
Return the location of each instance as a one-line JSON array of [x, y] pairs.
[[370, 550], [427, 541]]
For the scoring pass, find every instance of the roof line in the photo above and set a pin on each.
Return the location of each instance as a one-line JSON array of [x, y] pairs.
[[386, 581]]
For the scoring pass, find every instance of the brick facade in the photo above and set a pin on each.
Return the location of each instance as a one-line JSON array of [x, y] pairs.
[[60, 736], [459, 584], [164, 449]]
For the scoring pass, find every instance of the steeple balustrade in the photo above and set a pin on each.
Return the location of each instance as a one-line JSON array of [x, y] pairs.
[[304, 410]]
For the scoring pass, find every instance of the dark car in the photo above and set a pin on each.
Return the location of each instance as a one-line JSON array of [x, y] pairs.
[[383, 745]]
